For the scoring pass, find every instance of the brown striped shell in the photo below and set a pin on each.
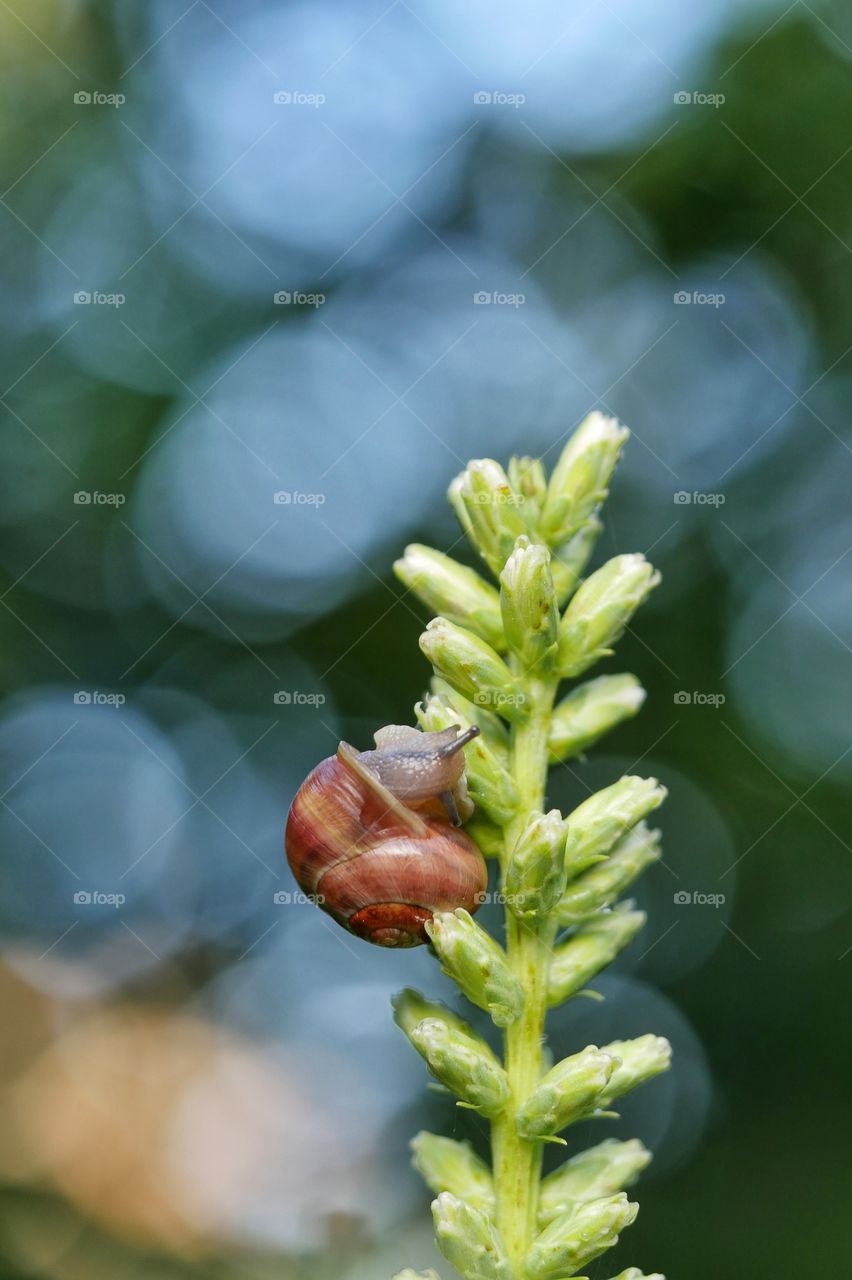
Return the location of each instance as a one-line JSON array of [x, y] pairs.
[[369, 836]]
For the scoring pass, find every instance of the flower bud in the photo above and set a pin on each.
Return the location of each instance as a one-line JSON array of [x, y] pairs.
[[580, 479], [410, 1009], [477, 963], [591, 710], [600, 1171], [528, 603], [568, 1091], [638, 1060], [453, 590], [463, 1062], [571, 557], [595, 945], [489, 510], [569, 1242], [602, 884], [528, 479], [491, 785], [468, 1240], [601, 609], [447, 1165], [473, 668], [535, 876], [599, 822]]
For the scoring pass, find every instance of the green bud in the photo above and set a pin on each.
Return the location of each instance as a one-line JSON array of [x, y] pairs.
[[601, 885], [591, 710], [491, 785], [601, 1171], [640, 1060], [528, 479], [580, 479], [464, 1063], [451, 589], [601, 609], [447, 1165], [487, 835], [493, 729], [595, 945], [633, 1273], [468, 1240], [410, 1009], [570, 559], [569, 1091], [535, 876], [528, 603], [569, 1242], [599, 822], [477, 963], [473, 668], [492, 510]]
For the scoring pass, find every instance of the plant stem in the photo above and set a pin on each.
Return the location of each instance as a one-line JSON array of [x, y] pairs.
[[517, 1161]]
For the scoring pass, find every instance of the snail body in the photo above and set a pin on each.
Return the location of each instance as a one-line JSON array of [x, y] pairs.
[[374, 836]]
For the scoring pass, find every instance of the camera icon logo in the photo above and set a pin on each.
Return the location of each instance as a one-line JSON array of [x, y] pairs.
[[482, 98], [283, 98], [82, 298], [682, 498], [682, 298], [682, 698], [682, 898], [281, 898], [482, 298], [82, 898], [82, 97], [682, 97], [282, 698], [282, 298], [82, 698]]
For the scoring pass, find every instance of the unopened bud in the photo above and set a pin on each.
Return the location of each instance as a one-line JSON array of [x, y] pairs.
[[570, 559], [593, 946], [452, 590], [464, 1063], [602, 884], [535, 876], [639, 1060], [598, 823], [447, 1165], [473, 668], [477, 963], [568, 1091], [580, 479], [528, 479], [600, 1171], [601, 609], [489, 510], [468, 1240], [591, 710], [569, 1242], [528, 603]]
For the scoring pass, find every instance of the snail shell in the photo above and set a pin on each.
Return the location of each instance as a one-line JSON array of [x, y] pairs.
[[374, 835]]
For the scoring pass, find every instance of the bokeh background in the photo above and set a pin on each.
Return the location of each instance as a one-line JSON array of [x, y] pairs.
[[272, 272]]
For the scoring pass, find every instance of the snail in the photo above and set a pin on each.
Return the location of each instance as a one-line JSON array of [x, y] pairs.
[[374, 838]]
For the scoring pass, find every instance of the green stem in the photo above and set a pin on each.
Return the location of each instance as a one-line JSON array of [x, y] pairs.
[[517, 1161]]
